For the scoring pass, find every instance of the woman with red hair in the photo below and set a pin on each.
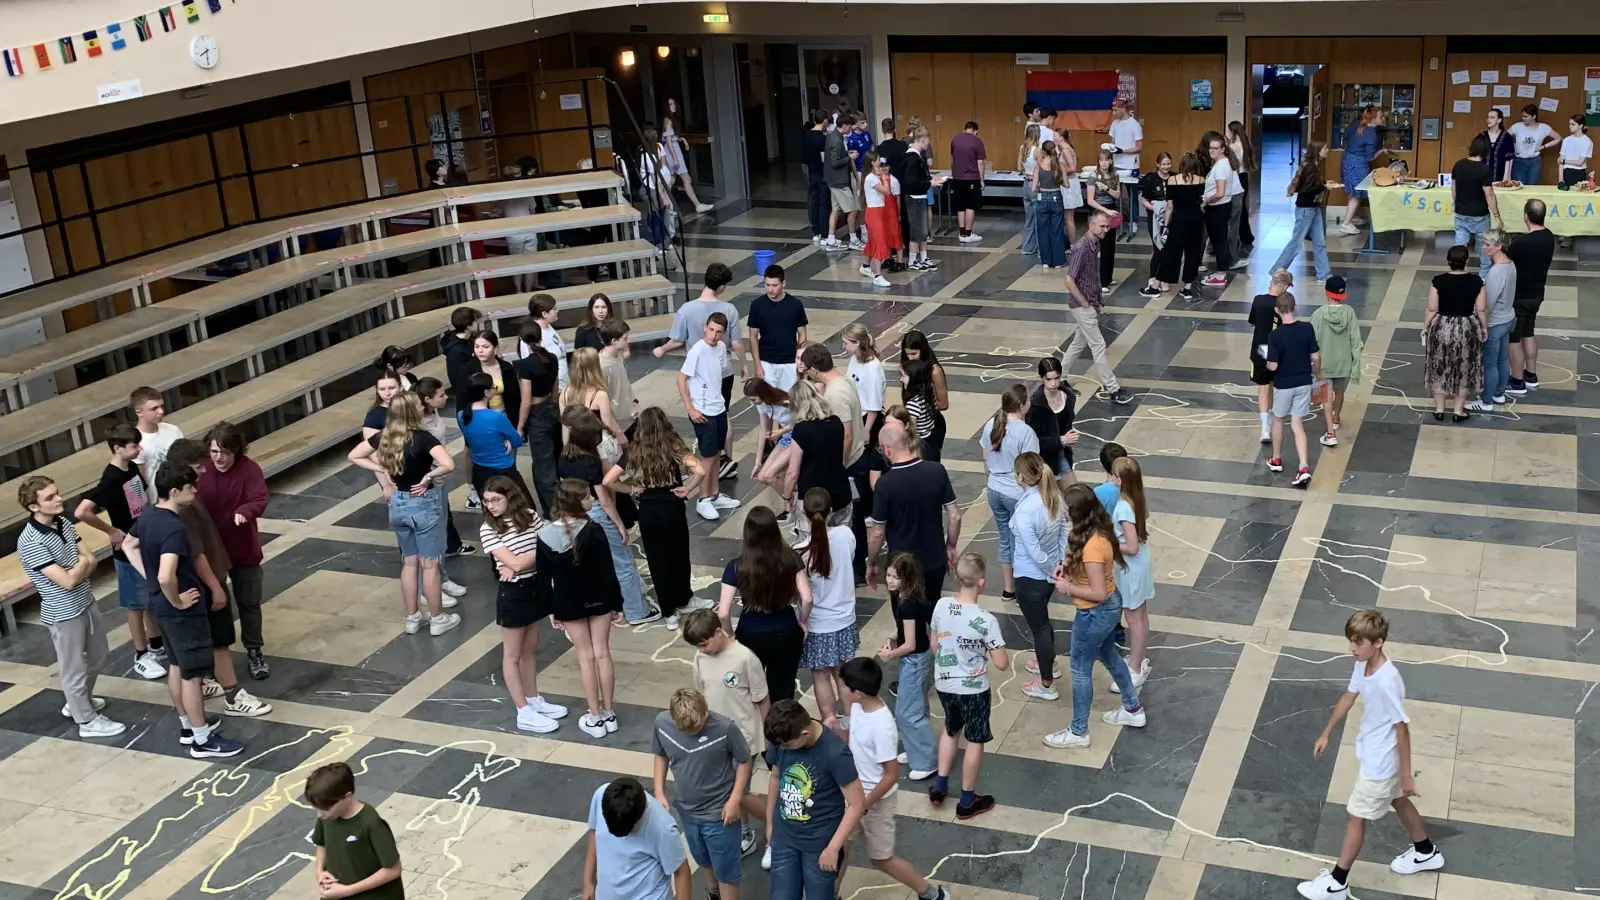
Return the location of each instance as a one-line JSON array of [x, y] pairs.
[[1361, 146]]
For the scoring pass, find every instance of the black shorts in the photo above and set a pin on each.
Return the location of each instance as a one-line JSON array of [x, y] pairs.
[[188, 644], [223, 634], [711, 436], [967, 714], [516, 606], [1259, 373], [727, 391], [966, 194], [1527, 317]]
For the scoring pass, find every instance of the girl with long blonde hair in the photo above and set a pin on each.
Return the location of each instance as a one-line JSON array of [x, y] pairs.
[[510, 536], [866, 371], [1134, 582], [586, 388], [1004, 438], [410, 462], [1027, 162], [819, 436], [1039, 529]]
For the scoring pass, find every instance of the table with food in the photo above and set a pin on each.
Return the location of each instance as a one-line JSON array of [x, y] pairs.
[[1411, 204]]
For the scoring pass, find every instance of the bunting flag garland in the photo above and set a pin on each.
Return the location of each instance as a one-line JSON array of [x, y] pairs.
[[41, 56], [69, 53], [114, 32], [14, 63], [168, 21], [95, 40], [190, 11], [141, 27], [91, 43]]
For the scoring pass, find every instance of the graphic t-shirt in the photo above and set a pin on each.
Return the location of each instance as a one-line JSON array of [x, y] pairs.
[[356, 848], [1383, 699], [1529, 138], [703, 365], [868, 377], [810, 788], [121, 496], [964, 633], [153, 447]]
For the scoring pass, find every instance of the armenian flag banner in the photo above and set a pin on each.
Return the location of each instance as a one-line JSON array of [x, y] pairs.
[[1082, 100]]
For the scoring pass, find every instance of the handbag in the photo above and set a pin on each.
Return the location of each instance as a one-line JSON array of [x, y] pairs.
[[1114, 221]]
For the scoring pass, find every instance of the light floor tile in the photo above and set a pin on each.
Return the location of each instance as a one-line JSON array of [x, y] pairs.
[[67, 834], [1433, 776], [42, 770], [1408, 553], [1435, 727], [1538, 603], [128, 785], [1508, 797], [1517, 739]]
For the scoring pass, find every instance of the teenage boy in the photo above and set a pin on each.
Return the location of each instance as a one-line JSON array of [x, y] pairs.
[[1532, 253], [51, 553], [356, 852], [1339, 344], [814, 805], [1294, 361], [967, 636], [916, 181], [634, 850], [158, 546], [1383, 750], [1262, 319], [155, 433], [710, 765], [858, 141], [777, 328], [838, 164], [698, 387], [234, 490], [459, 364], [212, 564], [812, 142], [1084, 302], [968, 160], [873, 738], [614, 332], [122, 496], [731, 679], [688, 324]]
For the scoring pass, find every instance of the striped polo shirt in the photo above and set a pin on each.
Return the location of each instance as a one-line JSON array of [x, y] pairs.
[[40, 546], [520, 543]]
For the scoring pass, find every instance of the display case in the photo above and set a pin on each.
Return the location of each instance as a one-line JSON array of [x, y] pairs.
[[1399, 103]]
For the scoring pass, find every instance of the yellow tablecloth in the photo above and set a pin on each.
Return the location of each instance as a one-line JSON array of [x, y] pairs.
[[1403, 208]]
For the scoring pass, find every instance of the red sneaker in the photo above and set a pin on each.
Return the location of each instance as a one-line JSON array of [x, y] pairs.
[[1302, 477], [1275, 464]]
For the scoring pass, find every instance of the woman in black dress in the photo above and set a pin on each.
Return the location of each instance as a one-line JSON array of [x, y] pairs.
[[1453, 333], [1186, 226], [771, 580]]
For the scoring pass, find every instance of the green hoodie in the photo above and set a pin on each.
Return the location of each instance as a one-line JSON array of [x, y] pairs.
[[1338, 340]]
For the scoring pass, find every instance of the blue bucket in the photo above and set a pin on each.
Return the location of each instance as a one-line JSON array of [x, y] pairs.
[[764, 258]]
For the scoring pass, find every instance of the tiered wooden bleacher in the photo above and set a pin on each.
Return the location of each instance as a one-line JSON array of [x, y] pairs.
[[296, 387]]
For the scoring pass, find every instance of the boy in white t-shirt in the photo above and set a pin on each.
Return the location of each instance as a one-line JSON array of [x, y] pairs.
[[1383, 749], [965, 635], [873, 739], [700, 387], [156, 435]]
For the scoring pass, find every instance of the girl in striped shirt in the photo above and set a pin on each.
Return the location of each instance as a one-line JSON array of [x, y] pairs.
[[509, 534]]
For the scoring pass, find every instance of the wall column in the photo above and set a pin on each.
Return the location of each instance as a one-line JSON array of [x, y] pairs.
[[369, 163], [727, 120], [881, 103], [1237, 78]]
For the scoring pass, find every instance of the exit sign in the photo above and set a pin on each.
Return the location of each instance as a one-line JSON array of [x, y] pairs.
[[714, 19]]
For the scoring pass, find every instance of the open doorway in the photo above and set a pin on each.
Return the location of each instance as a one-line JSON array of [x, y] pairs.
[[1290, 103], [772, 94]]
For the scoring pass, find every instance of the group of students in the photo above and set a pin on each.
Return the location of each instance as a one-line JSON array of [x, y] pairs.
[[181, 517]]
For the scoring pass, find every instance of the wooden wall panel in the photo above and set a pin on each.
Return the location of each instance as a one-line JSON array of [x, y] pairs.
[[956, 102], [1460, 128], [911, 75], [998, 86]]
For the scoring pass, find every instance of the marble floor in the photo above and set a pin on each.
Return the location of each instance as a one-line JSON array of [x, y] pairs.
[[1470, 537]]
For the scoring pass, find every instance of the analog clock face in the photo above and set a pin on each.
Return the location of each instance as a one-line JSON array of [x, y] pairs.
[[203, 49]]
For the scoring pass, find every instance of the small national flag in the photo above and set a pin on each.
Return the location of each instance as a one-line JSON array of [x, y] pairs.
[[190, 11], [114, 32], [91, 43], [141, 27], [216, 6], [69, 53], [41, 56], [14, 63], [168, 21]]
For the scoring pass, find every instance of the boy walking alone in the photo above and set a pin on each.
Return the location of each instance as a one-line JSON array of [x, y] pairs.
[[965, 635], [1383, 748], [1339, 344], [1294, 362], [356, 853], [711, 767]]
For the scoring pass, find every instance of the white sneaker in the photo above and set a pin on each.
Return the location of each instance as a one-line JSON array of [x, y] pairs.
[[880, 281], [98, 703], [1329, 439], [547, 709], [1038, 690], [865, 270], [414, 621], [1347, 228], [452, 589], [609, 720], [1266, 435], [100, 727], [210, 688], [1066, 740], [443, 622], [766, 857], [1120, 716], [747, 841], [445, 601], [1501, 398], [855, 243], [145, 665], [702, 603], [902, 759], [702, 207], [816, 239], [920, 774], [971, 239], [1139, 676], [1411, 862], [1480, 406], [592, 726], [246, 705], [1323, 887], [530, 719], [723, 501], [707, 509], [671, 622]]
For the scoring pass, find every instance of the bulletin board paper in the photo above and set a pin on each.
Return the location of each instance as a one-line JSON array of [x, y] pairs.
[[1461, 77], [1505, 110], [1477, 90], [1502, 90], [1549, 104], [1536, 77], [1462, 106], [1489, 76], [1527, 91], [1516, 71], [1558, 82]]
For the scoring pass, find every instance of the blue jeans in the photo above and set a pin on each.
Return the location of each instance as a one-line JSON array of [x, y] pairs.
[[1307, 223], [1470, 227], [1047, 225], [1003, 507], [133, 592], [911, 711], [1092, 640], [715, 846], [1497, 361], [797, 873], [1030, 239], [418, 523], [1526, 169], [634, 606]]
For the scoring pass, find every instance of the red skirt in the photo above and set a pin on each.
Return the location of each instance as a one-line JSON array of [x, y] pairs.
[[883, 229]]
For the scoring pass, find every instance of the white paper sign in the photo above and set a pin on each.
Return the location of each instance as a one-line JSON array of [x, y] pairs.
[[1462, 106], [1549, 104], [1558, 82], [1502, 90], [1516, 71], [1461, 77], [1505, 110], [118, 92], [572, 101], [1489, 76], [1536, 77], [1477, 90], [1033, 59], [1526, 91]]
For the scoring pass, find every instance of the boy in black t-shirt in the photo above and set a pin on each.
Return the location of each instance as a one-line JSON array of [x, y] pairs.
[[1295, 362], [1263, 319]]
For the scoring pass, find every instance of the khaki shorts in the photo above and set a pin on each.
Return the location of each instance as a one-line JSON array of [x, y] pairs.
[[877, 828], [844, 199], [1370, 799]]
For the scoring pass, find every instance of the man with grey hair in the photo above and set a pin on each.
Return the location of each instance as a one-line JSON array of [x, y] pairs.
[[1531, 253], [1500, 287], [1083, 306]]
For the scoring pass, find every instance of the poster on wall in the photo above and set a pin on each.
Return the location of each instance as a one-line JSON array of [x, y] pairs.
[[1200, 93], [1591, 95], [1128, 89], [447, 145]]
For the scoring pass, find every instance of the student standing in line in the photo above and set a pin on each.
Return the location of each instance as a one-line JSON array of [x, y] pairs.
[[575, 580], [777, 327], [812, 142], [539, 329], [1454, 329], [859, 143], [1045, 186], [873, 738], [1383, 751], [1152, 193], [839, 392], [538, 415], [1004, 437], [688, 326], [1532, 253], [635, 851], [389, 384], [1310, 193], [913, 647], [434, 399], [588, 390], [122, 496], [1087, 575], [492, 440], [1052, 409], [968, 638], [710, 765], [456, 347], [917, 183], [486, 353], [155, 433], [614, 334], [968, 162], [831, 635], [915, 346], [882, 191], [1263, 318], [921, 400], [1039, 529], [159, 548], [234, 491], [657, 461], [838, 164], [698, 387], [356, 852], [1295, 364], [1477, 209], [1186, 227], [1244, 154], [729, 676], [1027, 164], [1134, 582], [1338, 332], [1084, 302], [770, 579], [588, 334], [866, 371], [1104, 194], [1219, 208], [814, 804], [51, 553], [510, 537], [581, 461], [1532, 137], [409, 462]]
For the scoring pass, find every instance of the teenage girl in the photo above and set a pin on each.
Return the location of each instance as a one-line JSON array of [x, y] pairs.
[[914, 346], [510, 536], [388, 385], [1239, 143], [492, 440], [1004, 437], [1134, 581], [675, 145], [1105, 196], [1040, 531], [917, 389], [1186, 226], [911, 645], [539, 419], [431, 390], [581, 460], [486, 350], [1051, 410], [831, 636], [588, 333], [573, 576], [774, 440], [657, 460], [587, 390], [770, 579], [866, 371], [1576, 151], [398, 360], [1153, 197]]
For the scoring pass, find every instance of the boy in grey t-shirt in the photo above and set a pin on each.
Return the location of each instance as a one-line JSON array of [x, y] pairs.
[[710, 764]]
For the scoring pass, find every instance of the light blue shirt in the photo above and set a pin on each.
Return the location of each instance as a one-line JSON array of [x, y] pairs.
[[638, 865], [487, 437], [1002, 463], [1041, 540]]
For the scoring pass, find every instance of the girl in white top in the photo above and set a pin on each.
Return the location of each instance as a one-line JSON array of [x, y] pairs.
[[543, 309], [675, 147], [883, 221], [773, 406], [509, 533], [831, 636], [1576, 150], [866, 370]]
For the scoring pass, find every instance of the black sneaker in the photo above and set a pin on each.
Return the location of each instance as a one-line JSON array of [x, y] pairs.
[[216, 747], [980, 804], [1516, 387], [465, 549], [1530, 379], [936, 796], [186, 735], [1150, 293], [929, 265], [1121, 397], [259, 670], [916, 266], [730, 469], [894, 688], [1186, 294], [784, 517]]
